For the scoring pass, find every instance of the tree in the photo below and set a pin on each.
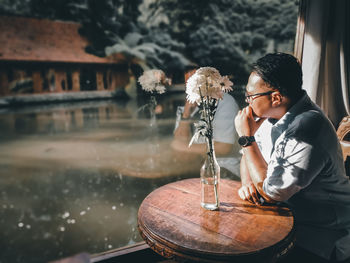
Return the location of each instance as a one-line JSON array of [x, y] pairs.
[[226, 34]]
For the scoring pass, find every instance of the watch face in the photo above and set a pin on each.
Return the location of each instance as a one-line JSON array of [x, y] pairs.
[[246, 140], [243, 141]]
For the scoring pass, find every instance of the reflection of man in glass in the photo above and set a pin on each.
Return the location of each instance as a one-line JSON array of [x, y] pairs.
[[224, 134], [291, 153]]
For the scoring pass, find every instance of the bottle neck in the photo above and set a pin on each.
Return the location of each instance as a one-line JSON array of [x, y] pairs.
[[210, 148]]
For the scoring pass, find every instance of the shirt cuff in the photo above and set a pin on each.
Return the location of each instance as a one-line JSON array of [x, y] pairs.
[[179, 111]]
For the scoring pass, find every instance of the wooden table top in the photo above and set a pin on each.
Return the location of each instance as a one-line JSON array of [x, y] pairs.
[[174, 224]]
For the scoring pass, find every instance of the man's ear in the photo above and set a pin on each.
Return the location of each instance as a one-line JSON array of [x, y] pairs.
[[276, 98]]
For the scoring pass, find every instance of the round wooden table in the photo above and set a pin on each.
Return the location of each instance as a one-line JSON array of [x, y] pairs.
[[174, 225]]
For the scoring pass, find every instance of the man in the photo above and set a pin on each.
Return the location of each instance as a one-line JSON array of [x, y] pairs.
[[224, 134], [291, 154]]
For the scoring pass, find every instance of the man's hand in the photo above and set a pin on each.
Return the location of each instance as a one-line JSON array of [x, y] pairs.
[[179, 145], [188, 109], [249, 193], [245, 123], [183, 130]]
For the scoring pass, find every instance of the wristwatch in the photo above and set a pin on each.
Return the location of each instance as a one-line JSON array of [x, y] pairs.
[[245, 141]]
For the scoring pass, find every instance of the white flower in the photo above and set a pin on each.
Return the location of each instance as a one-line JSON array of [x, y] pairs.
[[192, 85], [205, 87], [206, 83], [209, 72], [226, 84], [154, 80]]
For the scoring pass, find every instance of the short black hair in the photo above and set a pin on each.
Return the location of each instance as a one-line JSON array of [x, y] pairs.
[[281, 71]]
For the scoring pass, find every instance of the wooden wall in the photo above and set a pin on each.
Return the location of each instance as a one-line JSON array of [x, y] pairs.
[[32, 78]]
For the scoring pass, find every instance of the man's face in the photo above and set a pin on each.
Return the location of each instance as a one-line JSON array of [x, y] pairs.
[[258, 95]]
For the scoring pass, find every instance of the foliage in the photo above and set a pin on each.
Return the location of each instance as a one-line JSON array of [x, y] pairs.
[[137, 50], [112, 27], [18, 7], [107, 22], [227, 34], [221, 50]]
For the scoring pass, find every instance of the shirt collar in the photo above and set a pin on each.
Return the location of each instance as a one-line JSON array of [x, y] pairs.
[[301, 105]]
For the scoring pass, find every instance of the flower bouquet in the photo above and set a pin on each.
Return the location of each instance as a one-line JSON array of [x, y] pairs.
[[205, 87], [154, 82]]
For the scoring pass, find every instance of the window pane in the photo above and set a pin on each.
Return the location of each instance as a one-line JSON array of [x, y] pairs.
[[73, 175]]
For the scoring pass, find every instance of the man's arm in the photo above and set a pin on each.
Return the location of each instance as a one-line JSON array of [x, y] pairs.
[[257, 168], [183, 134], [248, 190], [182, 137], [253, 158]]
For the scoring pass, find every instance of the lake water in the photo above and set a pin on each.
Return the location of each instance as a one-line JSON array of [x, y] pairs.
[[72, 176]]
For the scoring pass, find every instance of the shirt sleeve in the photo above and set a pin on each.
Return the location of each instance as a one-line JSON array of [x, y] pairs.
[[293, 166], [179, 111], [223, 124]]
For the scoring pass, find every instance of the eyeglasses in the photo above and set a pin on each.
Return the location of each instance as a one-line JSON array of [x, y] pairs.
[[250, 98]]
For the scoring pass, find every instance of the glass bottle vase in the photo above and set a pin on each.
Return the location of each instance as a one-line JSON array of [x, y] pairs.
[[210, 180]]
